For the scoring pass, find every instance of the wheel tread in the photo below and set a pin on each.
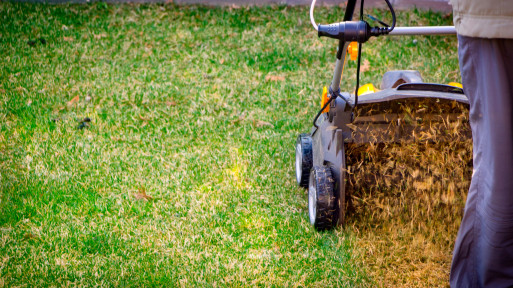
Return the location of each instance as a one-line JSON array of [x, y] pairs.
[[307, 158], [326, 205]]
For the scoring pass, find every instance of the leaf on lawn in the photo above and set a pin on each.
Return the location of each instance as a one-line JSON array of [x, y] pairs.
[[21, 89], [99, 36], [221, 61], [142, 195], [365, 66], [145, 121], [447, 16], [274, 78], [240, 119], [29, 236], [73, 101], [68, 39], [171, 103], [260, 124]]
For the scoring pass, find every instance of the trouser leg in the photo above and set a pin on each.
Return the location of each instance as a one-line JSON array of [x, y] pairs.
[[483, 253]]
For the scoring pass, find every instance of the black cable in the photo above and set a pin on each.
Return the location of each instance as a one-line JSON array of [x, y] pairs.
[[361, 10], [377, 20], [393, 16], [377, 31], [357, 75], [322, 109], [359, 60], [389, 29]]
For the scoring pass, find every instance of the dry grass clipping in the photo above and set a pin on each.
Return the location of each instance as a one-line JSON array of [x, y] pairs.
[[407, 188]]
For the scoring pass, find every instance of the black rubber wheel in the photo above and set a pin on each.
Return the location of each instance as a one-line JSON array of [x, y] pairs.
[[321, 199], [304, 159]]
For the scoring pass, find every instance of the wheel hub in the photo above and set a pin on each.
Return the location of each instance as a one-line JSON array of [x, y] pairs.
[[299, 161], [312, 200]]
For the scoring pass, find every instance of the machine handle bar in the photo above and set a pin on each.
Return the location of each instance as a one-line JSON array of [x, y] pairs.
[[423, 30]]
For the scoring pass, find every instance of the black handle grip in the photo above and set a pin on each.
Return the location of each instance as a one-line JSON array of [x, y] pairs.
[[349, 31]]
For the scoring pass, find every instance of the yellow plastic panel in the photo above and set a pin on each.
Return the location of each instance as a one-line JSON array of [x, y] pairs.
[[366, 89], [352, 50], [325, 99], [455, 84]]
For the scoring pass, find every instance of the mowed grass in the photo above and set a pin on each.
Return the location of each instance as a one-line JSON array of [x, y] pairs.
[[184, 175]]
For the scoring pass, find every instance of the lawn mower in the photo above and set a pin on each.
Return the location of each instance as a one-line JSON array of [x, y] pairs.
[[405, 110]]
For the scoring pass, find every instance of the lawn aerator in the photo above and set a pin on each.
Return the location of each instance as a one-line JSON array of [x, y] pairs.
[[405, 110]]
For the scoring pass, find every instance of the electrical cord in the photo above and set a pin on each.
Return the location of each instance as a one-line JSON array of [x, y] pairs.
[[377, 20], [359, 60], [393, 16], [357, 75], [388, 30], [322, 109]]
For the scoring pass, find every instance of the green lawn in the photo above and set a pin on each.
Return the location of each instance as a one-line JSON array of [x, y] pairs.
[[185, 174]]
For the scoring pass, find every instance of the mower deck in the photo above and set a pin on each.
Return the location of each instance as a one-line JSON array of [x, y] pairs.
[[408, 113]]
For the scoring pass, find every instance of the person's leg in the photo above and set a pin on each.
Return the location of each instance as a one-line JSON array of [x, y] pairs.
[[483, 253]]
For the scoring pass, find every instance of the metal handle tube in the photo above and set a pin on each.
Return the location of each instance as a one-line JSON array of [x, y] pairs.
[[339, 68], [420, 30]]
